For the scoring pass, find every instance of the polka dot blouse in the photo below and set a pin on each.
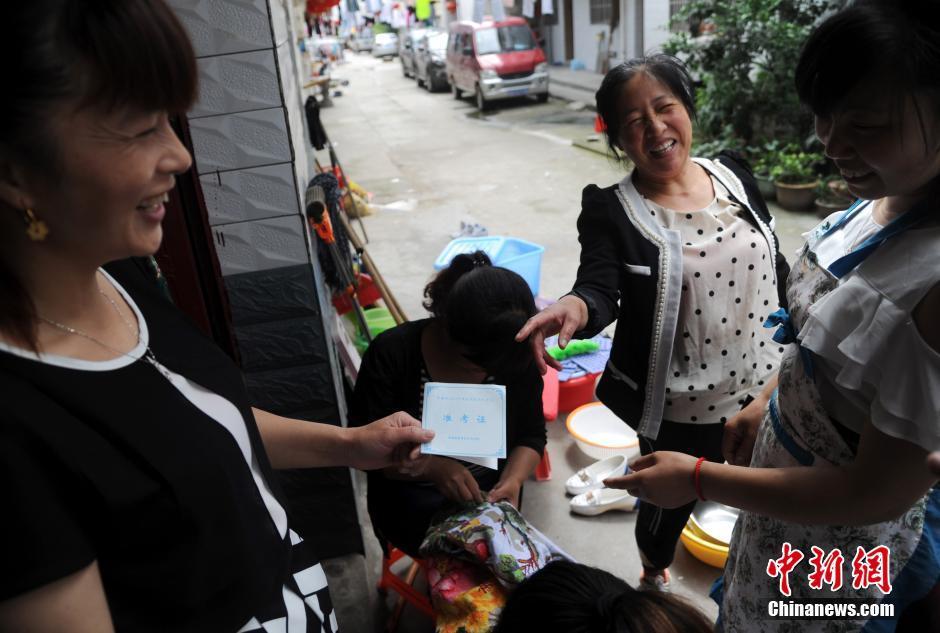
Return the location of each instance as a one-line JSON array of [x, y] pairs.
[[722, 353]]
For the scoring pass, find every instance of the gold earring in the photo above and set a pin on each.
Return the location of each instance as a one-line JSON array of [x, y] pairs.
[[36, 229]]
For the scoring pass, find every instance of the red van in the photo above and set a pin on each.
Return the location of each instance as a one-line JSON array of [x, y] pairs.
[[496, 60]]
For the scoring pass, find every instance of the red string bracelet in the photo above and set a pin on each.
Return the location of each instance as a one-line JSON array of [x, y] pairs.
[[697, 480]]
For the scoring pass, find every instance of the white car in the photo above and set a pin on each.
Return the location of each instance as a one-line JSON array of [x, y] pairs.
[[385, 45]]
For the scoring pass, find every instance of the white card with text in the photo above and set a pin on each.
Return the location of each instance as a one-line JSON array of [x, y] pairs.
[[468, 420]]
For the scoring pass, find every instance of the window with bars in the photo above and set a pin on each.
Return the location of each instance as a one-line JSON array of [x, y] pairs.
[[674, 7], [601, 11]]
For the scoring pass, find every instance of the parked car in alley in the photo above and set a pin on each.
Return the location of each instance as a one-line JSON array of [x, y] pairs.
[[385, 45], [408, 44], [430, 61], [495, 60], [361, 40]]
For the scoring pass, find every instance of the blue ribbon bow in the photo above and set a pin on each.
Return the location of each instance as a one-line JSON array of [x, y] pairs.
[[786, 334], [781, 320]]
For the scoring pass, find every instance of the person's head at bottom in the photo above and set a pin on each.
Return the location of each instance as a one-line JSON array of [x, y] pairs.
[[566, 597]]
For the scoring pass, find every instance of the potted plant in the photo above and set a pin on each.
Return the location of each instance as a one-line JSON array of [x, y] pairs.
[[764, 158], [832, 195], [794, 176], [762, 168]]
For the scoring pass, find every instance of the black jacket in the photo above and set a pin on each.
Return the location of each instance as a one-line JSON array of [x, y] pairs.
[[631, 270]]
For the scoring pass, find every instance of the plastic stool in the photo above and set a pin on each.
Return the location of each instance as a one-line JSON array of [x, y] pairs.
[[543, 472], [575, 392], [403, 586], [549, 411], [550, 389]]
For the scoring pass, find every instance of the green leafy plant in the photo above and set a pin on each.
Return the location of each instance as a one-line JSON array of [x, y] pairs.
[[764, 157], [744, 63], [709, 145], [795, 166]]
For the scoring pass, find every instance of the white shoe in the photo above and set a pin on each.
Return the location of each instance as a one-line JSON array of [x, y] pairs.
[[596, 502], [592, 477]]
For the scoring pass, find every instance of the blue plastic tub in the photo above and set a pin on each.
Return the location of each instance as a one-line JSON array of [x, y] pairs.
[[519, 256]]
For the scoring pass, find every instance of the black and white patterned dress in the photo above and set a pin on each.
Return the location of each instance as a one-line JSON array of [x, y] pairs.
[[868, 361], [157, 473]]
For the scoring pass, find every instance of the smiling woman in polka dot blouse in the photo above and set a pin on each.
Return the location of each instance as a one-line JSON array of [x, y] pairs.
[[682, 254], [720, 352]]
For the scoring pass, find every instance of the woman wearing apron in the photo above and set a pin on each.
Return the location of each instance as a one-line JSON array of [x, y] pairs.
[[837, 483]]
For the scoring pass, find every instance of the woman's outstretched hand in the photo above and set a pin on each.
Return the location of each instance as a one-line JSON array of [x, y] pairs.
[[392, 441], [564, 317], [663, 478]]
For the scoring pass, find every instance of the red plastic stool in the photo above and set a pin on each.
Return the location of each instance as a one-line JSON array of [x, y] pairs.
[[549, 411], [403, 586], [543, 472], [550, 387], [575, 392]]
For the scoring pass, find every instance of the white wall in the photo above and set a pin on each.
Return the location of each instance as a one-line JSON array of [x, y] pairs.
[[625, 42], [585, 34], [557, 34], [655, 25]]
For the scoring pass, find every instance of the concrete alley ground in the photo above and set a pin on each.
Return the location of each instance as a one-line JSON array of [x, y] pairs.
[[431, 161]]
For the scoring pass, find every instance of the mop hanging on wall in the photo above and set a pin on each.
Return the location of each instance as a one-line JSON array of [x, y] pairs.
[[321, 204]]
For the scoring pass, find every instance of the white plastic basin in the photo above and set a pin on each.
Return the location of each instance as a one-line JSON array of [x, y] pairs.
[[601, 434]]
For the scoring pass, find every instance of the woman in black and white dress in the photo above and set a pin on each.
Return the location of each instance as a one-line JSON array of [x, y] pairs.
[[137, 488]]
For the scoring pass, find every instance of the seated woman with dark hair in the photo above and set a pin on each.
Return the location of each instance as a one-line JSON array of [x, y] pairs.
[[476, 310], [566, 597]]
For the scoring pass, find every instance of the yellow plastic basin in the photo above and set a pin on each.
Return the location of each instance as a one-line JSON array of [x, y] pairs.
[[706, 551]]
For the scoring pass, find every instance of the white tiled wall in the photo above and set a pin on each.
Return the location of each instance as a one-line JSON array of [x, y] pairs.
[[246, 247], [279, 21], [240, 140], [220, 27], [250, 194], [237, 83], [247, 127]]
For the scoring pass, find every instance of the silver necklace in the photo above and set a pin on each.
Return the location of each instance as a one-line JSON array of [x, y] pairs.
[[148, 356]]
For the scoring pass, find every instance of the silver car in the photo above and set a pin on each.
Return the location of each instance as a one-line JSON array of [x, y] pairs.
[[385, 45], [361, 41], [429, 67]]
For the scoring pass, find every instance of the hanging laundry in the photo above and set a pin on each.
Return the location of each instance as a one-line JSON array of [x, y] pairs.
[[399, 16], [528, 8], [547, 7], [423, 10], [497, 10]]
